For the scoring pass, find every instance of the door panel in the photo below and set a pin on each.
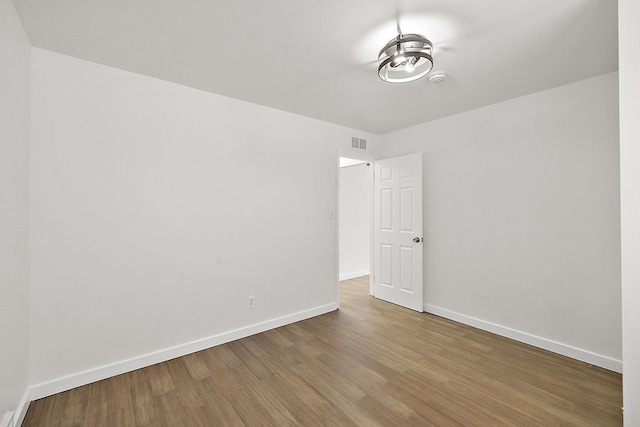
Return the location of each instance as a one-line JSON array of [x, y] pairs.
[[406, 209], [397, 221], [386, 209], [406, 268], [386, 265]]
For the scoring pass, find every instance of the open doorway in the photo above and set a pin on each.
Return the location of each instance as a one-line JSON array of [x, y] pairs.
[[385, 215], [355, 216]]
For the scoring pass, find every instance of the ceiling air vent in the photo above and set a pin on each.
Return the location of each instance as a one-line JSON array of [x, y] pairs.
[[358, 143]]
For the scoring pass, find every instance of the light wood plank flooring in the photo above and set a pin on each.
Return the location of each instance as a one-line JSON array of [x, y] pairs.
[[370, 363]]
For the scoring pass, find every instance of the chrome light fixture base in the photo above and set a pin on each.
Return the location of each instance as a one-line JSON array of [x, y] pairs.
[[405, 58]]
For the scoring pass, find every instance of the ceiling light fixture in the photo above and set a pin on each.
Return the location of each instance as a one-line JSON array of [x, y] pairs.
[[405, 58]]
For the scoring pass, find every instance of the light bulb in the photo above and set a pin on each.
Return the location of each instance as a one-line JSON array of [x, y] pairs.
[[398, 60], [411, 63]]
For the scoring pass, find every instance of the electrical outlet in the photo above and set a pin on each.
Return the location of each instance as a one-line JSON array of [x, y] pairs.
[[251, 302]]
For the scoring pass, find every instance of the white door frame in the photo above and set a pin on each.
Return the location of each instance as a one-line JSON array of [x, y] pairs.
[[353, 154]]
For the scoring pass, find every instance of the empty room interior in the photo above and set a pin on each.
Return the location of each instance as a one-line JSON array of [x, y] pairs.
[[319, 213]]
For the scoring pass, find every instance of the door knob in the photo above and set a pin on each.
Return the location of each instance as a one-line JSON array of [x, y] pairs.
[[418, 239]]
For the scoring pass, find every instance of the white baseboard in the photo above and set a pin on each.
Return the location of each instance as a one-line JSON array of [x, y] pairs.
[[15, 418], [347, 276], [58, 385], [21, 410], [553, 346], [7, 420]]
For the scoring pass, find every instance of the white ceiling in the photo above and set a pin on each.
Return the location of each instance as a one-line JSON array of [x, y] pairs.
[[318, 58]]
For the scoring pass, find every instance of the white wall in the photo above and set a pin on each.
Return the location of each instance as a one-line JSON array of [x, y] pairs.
[[158, 209], [629, 10], [15, 54], [355, 221], [522, 217]]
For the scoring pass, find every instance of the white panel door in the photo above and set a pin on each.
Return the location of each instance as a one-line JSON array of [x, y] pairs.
[[398, 240]]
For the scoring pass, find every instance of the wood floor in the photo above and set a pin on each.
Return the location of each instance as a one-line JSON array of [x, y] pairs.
[[370, 363]]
